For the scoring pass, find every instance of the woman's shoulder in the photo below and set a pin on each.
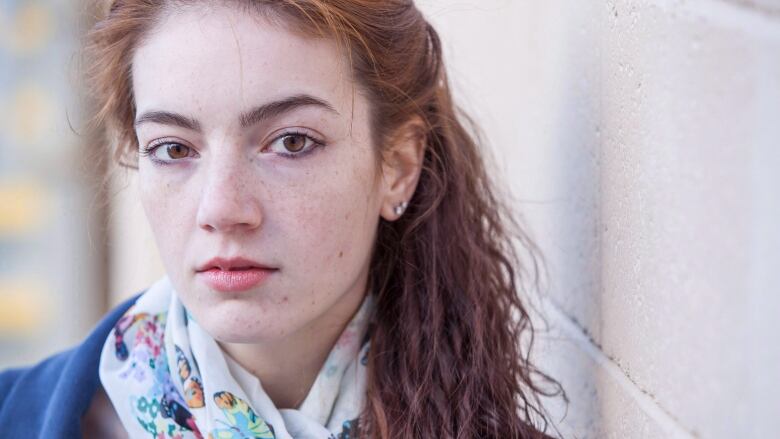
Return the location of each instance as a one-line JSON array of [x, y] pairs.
[[57, 391]]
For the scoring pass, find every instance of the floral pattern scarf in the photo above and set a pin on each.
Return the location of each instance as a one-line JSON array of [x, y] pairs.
[[167, 378]]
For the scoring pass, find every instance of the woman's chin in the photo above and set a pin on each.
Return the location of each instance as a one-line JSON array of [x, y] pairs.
[[238, 321]]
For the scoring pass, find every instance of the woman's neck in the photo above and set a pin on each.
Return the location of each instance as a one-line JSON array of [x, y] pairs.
[[288, 367]]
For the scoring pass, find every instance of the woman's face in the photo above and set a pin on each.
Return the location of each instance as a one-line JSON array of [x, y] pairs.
[[257, 147]]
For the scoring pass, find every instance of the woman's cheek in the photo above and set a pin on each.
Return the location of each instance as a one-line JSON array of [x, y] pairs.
[[170, 215], [326, 231]]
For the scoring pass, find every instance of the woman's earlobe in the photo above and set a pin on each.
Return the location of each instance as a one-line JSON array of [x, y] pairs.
[[400, 208], [394, 211]]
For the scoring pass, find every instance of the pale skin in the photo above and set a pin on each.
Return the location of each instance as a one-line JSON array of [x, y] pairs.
[[222, 187]]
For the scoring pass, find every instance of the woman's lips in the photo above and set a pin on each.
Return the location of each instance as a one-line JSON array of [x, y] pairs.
[[234, 280]]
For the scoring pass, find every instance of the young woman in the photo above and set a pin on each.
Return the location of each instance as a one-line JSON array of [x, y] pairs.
[[337, 263]]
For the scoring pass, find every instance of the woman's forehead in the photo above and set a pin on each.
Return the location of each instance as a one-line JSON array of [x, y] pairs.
[[225, 62]]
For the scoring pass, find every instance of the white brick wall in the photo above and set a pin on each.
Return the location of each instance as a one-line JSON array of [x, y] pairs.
[[642, 141]]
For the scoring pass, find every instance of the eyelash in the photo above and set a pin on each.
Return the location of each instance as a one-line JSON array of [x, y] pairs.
[[316, 144], [148, 150]]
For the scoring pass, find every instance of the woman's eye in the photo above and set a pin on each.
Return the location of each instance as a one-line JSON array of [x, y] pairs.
[[293, 144], [168, 151]]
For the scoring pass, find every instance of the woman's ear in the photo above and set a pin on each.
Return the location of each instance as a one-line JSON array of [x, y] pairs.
[[402, 162]]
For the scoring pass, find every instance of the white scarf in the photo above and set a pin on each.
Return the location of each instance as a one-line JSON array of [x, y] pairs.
[[167, 378]]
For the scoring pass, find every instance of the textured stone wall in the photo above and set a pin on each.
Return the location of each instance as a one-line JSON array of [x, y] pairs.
[[641, 140]]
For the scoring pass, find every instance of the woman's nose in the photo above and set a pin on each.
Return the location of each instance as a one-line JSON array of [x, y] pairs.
[[229, 199]]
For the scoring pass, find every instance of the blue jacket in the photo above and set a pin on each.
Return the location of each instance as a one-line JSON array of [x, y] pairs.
[[48, 400]]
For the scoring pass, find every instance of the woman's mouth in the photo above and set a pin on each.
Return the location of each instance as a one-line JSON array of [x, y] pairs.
[[235, 279]]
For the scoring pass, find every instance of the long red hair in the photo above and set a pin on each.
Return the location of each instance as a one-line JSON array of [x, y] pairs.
[[446, 357]]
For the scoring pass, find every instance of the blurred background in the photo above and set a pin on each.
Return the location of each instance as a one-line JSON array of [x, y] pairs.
[[640, 140], [72, 236], [52, 242]]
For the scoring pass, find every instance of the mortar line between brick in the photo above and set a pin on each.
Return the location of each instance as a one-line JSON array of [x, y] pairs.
[[755, 8], [749, 19], [648, 405]]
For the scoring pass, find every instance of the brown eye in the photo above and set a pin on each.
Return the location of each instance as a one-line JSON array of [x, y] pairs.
[[177, 151], [163, 152], [294, 142]]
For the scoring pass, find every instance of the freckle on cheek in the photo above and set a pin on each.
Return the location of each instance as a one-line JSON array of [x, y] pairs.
[[341, 254]]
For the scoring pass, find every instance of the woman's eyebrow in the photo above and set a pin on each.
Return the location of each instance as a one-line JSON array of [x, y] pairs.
[[285, 105], [167, 118], [251, 117]]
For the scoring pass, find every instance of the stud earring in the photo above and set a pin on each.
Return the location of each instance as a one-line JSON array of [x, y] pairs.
[[399, 209]]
